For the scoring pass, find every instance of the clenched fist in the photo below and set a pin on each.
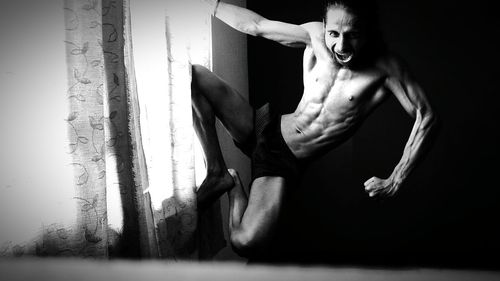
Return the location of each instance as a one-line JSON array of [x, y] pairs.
[[377, 187]]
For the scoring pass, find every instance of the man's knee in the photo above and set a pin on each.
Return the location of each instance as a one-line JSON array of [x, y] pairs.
[[200, 73], [243, 243], [203, 79], [198, 69], [248, 243], [196, 73]]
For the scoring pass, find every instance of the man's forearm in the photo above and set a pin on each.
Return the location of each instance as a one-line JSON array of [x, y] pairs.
[[416, 146]]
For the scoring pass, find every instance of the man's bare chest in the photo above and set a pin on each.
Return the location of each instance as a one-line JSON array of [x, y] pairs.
[[332, 87]]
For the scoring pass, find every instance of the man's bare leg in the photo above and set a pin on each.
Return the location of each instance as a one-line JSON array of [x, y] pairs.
[[252, 218], [213, 97], [217, 180], [238, 202]]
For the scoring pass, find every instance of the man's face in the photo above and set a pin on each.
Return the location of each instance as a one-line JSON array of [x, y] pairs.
[[344, 35]]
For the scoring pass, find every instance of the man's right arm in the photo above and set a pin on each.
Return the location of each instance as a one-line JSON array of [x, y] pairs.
[[251, 23]]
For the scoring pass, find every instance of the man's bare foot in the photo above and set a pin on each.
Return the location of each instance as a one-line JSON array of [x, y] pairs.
[[213, 187]]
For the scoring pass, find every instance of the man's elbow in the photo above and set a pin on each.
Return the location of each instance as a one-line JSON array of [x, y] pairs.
[[251, 28], [430, 121]]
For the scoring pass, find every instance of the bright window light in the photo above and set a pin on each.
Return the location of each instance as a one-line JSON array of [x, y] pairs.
[[189, 30]]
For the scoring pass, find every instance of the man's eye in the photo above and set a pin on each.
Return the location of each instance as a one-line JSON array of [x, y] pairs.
[[334, 34]]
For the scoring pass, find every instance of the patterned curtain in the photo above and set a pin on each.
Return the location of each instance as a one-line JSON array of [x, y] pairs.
[[104, 135], [123, 209]]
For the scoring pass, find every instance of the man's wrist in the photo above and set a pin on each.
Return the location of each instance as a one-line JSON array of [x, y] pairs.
[[394, 181]]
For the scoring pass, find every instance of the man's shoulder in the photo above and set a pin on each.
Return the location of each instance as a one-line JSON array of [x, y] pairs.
[[314, 29], [313, 26]]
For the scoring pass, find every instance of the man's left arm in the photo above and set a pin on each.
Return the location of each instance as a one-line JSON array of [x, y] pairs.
[[414, 101]]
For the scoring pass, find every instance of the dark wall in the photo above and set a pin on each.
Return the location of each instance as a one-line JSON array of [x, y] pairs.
[[447, 214]]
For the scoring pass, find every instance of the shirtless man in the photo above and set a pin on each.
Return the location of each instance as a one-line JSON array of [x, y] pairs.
[[345, 78]]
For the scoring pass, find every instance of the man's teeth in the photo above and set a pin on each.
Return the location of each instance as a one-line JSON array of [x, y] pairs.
[[343, 57]]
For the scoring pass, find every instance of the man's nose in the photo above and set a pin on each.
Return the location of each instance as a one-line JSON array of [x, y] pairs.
[[341, 46]]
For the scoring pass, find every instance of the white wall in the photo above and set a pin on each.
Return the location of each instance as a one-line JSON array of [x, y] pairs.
[[36, 179]]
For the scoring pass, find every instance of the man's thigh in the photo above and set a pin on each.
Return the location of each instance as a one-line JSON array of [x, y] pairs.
[[232, 109]]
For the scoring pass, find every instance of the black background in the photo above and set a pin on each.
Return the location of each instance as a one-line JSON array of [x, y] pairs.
[[447, 214]]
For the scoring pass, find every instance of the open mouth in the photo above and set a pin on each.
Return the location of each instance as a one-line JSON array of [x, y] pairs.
[[343, 58]]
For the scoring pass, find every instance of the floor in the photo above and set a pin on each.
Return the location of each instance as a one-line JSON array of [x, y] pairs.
[[75, 270]]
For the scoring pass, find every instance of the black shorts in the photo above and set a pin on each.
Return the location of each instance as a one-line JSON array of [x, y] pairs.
[[269, 152]]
